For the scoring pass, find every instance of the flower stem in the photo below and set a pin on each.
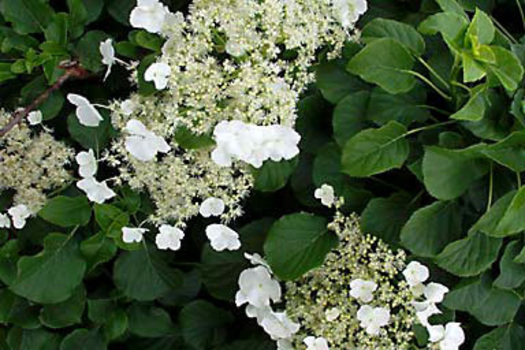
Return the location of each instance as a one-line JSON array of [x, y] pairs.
[[427, 81]]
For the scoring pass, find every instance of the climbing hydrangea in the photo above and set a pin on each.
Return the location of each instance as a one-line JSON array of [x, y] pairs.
[[243, 61], [32, 164]]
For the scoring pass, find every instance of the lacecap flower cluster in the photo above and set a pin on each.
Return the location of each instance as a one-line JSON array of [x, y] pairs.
[[365, 296], [228, 80]]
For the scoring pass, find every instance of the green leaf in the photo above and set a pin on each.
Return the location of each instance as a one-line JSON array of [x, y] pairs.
[[146, 88], [481, 28], [470, 256], [311, 123], [512, 274], [97, 249], [468, 296], [90, 58], [335, 82], [67, 211], [66, 313], [146, 40], [6, 72], [394, 212], [120, 10], [403, 33], [52, 275], [37, 339], [500, 307], [509, 337], [273, 176], [149, 322], [509, 152], [474, 109], [111, 220], [403, 108], [56, 31], [385, 62], [375, 151], [449, 173], [298, 243], [91, 138], [187, 140], [450, 25], [350, 116], [27, 16], [505, 218], [203, 324], [220, 272], [451, 6], [144, 275], [507, 69], [77, 17], [83, 339], [431, 228], [52, 106]]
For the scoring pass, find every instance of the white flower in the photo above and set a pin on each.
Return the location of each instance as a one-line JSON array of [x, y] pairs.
[[108, 55], [326, 194], [257, 288], [222, 237], [97, 192], [142, 143], [332, 314], [159, 74], [435, 292], [149, 15], [86, 113], [372, 319], [258, 313], [19, 214], [416, 273], [284, 344], [256, 259], [424, 310], [87, 164], [349, 11], [235, 49], [169, 237], [363, 290], [34, 118], [212, 207], [132, 235], [313, 343], [5, 222], [450, 337], [278, 326], [128, 107], [253, 144]]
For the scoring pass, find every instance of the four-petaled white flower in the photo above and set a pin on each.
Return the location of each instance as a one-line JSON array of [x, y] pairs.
[[86, 113], [363, 290], [142, 143], [87, 164], [149, 15], [34, 118], [212, 207], [159, 74], [349, 11], [97, 192], [314, 343], [449, 337], [222, 237], [325, 194], [128, 107], [257, 288], [416, 273], [332, 314], [424, 310], [108, 55], [435, 292], [278, 326], [169, 237], [5, 222], [372, 319], [19, 214], [133, 235]]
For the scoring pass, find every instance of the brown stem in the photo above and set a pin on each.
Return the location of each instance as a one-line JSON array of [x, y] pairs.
[[72, 70]]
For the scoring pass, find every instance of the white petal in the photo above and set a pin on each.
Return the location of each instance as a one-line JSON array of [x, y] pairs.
[[133, 235], [86, 113], [222, 237], [212, 207], [435, 292]]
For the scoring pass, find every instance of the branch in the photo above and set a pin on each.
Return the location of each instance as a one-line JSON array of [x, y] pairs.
[[72, 70]]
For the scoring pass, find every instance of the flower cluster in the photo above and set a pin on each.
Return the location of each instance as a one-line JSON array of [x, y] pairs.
[[32, 164], [229, 78]]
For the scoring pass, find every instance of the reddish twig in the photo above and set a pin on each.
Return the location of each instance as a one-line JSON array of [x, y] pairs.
[[72, 70]]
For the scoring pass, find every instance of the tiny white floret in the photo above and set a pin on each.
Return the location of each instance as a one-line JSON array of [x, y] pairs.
[[212, 207], [133, 235], [86, 113], [169, 237], [222, 237]]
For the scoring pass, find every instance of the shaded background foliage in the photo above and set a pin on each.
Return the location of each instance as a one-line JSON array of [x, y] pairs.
[[68, 282]]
